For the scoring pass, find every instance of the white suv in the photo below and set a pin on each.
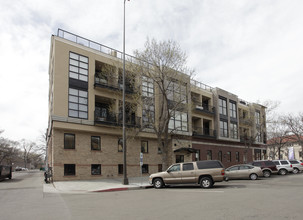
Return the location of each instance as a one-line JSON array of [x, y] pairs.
[[297, 165], [283, 166]]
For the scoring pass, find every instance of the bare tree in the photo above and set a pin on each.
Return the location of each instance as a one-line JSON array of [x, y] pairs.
[[165, 79], [295, 127], [8, 150], [30, 150]]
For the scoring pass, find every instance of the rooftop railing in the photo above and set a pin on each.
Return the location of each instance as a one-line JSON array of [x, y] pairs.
[[112, 52]]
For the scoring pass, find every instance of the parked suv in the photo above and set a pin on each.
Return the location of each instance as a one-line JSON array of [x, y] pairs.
[[297, 165], [283, 166], [205, 173], [267, 166]]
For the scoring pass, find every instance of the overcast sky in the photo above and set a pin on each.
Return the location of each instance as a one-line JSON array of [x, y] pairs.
[[251, 48]]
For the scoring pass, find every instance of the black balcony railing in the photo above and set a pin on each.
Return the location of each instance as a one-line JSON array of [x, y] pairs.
[[116, 120], [246, 139], [203, 107], [204, 132], [113, 83]]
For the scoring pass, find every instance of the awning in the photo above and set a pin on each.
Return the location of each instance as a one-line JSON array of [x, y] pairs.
[[188, 149]]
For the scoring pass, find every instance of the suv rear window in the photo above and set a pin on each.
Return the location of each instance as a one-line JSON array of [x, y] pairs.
[[269, 163], [209, 164], [258, 164], [293, 162], [284, 162], [276, 162]]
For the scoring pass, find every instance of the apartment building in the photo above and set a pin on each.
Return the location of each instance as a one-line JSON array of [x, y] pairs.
[[85, 117]]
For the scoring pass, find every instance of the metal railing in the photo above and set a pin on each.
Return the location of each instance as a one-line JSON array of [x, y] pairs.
[[113, 83], [115, 119], [203, 107], [199, 131], [200, 85], [114, 53]]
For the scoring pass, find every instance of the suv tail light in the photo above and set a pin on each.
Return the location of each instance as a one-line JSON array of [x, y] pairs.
[[302, 164], [222, 172], [290, 165]]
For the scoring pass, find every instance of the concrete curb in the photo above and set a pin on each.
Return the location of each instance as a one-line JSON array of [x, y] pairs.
[[122, 189]]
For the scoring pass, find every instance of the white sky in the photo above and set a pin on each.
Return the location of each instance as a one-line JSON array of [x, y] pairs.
[[251, 48]]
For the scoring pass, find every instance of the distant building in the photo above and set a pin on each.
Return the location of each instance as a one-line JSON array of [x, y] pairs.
[[287, 147], [84, 130]]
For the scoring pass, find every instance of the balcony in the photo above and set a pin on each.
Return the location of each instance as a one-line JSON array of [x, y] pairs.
[[116, 120], [246, 139], [113, 84], [203, 108], [204, 132]]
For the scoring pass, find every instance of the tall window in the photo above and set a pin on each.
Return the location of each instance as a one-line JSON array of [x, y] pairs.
[[222, 106], [120, 168], [96, 169], [120, 145], [69, 141], [145, 168], [77, 103], [234, 130], [209, 155], [95, 143], [223, 128], [233, 109], [177, 92], [257, 117], [144, 146], [78, 67], [179, 158], [148, 110], [220, 156], [178, 121], [228, 156], [237, 156]]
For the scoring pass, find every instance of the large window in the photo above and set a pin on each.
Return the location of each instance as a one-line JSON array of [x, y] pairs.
[[223, 128], [233, 109], [120, 145], [257, 117], [96, 169], [95, 143], [147, 87], [178, 121], [234, 130], [177, 92], [69, 141], [78, 67], [209, 155], [222, 106], [145, 168], [69, 169], [148, 110], [77, 103], [144, 146]]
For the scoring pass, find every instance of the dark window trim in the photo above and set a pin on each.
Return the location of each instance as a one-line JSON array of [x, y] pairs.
[[74, 143], [99, 143], [65, 170]]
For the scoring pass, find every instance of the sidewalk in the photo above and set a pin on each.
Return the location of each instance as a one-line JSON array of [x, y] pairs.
[[101, 185]]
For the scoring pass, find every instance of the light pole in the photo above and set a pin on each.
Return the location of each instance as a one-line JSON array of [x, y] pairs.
[[125, 179]]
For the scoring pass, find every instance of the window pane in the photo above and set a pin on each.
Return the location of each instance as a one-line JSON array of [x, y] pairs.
[[73, 99], [83, 101], [83, 65], [73, 106], [74, 62], [74, 56], [83, 108], [83, 94], [84, 59], [69, 141], [74, 69], [95, 143], [83, 71], [96, 169], [73, 113], [73, 92], [73, 75], [83, 115], [83, 78]]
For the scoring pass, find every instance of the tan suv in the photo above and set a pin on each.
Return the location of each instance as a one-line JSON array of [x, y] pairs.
[[205, 173]]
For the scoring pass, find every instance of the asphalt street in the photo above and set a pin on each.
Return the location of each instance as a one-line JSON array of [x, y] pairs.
[[278, 197]]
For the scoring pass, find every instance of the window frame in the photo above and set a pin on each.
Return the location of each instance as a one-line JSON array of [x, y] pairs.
[[67, 172], [99, 143], [228, 156], [222, 106], [74, 103], [65, 141], [77, 69], [96, 174], [223, 129], [145, 151]]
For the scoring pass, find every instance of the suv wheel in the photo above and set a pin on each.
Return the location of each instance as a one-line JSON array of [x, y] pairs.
[[206, 182], [266, 173], [158, 183], [253, 176], [296, 170], [282, 172]]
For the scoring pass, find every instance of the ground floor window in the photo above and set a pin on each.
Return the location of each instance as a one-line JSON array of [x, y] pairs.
[[228, 156], [237, 157], [145, 168], [96, 169], [69, 169], [209, 155], [120, 168], [159, 167], [179, 158], [220, 156]]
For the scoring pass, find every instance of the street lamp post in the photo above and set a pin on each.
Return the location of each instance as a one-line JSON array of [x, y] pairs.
[[125, 179]]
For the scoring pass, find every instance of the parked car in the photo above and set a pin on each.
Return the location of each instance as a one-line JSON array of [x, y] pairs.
[[243, 171], [297, 165], [268, 167], [5, 172], [205, 173], [283, 166]]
